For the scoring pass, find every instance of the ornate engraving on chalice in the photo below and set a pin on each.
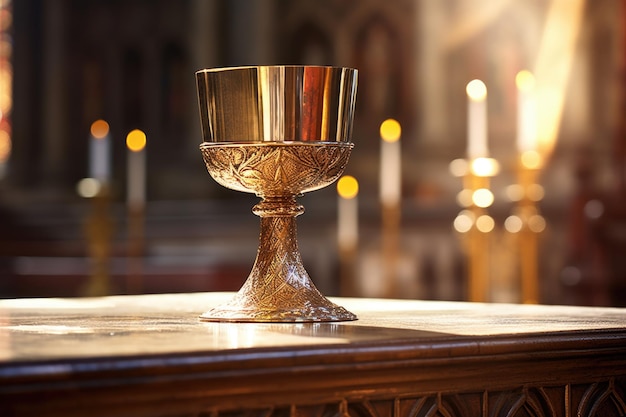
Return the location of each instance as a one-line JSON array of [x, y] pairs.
[[277, 132]]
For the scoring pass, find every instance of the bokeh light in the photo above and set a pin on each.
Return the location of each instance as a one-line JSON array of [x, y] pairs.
[[485, 167], [525, 80], [88, 187], [513, 224], [485, 223], [535, 192], [537, 223], [390, 130], [136, 140], [458, 167], [99, 129], [347, 187], [514, 192], [531, 160], [476, 90], [594, 209], [464, 197], [464, 221], [483, 197]]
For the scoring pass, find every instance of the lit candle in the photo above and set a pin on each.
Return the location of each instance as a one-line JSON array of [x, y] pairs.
[[347, 212], [136, 169], [99, 152], [390, 163], [476, 119], [526, 112]]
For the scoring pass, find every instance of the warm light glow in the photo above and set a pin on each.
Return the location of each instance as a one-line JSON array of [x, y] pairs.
[[5, 145], [513, 224], [390, 130], [485, 223], [347, 187], [535, 192], [99, 129], [6, 102], [531, 160], [525, 80], [464, 221], [537, 223], [6, 81], [88, 187], [464, 197], [482, 198], [6, 48], [476, 90], [485, 167], [553, 65], [594, 209], [136, 140], [458, 167], [515, 192]]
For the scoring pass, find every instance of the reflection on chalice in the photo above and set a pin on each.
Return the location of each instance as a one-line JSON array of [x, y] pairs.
[[277, 132]]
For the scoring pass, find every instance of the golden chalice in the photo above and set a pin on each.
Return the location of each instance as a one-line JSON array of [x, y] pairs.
[[277, 132]]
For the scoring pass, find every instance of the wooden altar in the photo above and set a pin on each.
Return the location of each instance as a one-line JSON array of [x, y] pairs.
[[150, 356]]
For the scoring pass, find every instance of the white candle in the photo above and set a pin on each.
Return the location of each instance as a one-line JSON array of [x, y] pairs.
[[526, 112], [347, 213], [136, 170], [390, 163], [476, 120], [99, 152]]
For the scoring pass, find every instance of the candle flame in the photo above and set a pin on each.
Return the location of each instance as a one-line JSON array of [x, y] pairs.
[[485, 167], [347, 187], [525, 81], [136, 140], [390, 130], [99, 129], [476, 90]]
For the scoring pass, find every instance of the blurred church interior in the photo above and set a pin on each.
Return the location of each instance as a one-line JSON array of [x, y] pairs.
[[65, 64]]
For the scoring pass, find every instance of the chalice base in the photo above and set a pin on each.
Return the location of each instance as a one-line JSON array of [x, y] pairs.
[[278, 289]]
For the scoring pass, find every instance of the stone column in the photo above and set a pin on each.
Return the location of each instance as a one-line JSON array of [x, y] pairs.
[[54, 134]]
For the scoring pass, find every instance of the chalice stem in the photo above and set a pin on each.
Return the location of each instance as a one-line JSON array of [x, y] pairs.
[[278, 287], [278, 266]]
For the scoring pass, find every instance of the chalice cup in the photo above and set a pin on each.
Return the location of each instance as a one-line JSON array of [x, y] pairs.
[[277, 132]]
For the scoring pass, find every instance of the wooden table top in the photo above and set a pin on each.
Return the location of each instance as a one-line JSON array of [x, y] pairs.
[[33, 330], [149, 355]]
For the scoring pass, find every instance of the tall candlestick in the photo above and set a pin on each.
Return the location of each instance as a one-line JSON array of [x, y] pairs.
[[390, 163], [476, 119], [99, 152], [136, 169], [526, 112], [347, 232], [347, 213]]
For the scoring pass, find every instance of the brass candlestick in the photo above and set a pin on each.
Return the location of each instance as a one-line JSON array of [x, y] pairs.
[[475, 222], [532, 224], [277, 132], [99, 228]]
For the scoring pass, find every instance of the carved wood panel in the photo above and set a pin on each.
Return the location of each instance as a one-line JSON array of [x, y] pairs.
[[599, 399]]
